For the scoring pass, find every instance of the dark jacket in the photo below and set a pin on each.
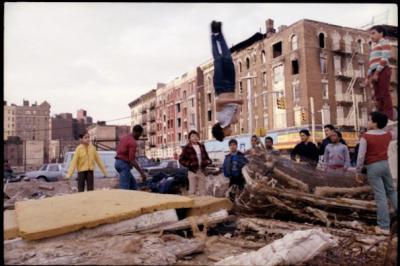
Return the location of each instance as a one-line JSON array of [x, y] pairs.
[[325, 143], [227, 167], [188, 158], [308, 153]]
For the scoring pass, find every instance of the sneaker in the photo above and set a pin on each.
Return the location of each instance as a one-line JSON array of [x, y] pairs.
[[380, 231], [214, 27], [219, 27]]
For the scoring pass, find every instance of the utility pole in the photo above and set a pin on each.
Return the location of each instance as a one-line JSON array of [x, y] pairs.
[[323, 122], [312, 118], [249, 102]]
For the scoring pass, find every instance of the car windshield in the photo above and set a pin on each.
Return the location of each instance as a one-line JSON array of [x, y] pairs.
[[43, 168], [163, 164]]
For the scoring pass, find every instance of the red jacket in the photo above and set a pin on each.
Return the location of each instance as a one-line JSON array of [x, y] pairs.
[[188, 158]]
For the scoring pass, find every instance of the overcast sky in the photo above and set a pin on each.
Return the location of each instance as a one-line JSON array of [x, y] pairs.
[[101, 56]]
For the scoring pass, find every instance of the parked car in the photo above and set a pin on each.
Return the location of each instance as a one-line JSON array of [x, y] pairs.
[[48, 172], [167, 167], [108, 158], [12, 177]]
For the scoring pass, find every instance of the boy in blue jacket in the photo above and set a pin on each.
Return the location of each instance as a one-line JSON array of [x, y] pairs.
[[233, 164]]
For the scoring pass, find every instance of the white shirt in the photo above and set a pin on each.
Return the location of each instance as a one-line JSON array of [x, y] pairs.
[[225, 116], [196, 147]]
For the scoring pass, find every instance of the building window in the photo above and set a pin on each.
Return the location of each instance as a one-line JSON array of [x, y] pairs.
[[321, 38], [254, 59], [296, 90], [240, 67], [263, 56], [325, 91], [192, 118], [295, 67], [265, 101], [266, 121], [179, 122], [247, 63], [360, 46], [240, 87], [294, 42], [184, 94], [277, 49], [192, 102], [322, 61], [179, 136], [209, 113], [178, 107], [362, 70], [297, 117], [209, 97], [278, 73], [264, 78]]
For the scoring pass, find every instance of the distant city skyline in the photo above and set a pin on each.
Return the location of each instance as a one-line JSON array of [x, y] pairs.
[[101, 56]]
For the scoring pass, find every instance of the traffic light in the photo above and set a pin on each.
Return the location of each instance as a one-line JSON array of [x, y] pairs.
[[280, 102], [303, 116]]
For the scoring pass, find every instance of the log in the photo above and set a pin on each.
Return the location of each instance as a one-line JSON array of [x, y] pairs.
[[314, 177], [292, 182], [242, 243], [316, 200], [209, 220], [46, 187], [333, 191]]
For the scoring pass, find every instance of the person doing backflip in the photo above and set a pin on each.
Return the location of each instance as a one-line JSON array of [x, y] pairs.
[[227, 106]]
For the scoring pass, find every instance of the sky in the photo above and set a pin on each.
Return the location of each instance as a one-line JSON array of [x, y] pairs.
[[101, 56]]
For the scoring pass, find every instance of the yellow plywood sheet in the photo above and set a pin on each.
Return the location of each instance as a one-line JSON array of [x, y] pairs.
[[10, 225], [209, 204], [63, 214]]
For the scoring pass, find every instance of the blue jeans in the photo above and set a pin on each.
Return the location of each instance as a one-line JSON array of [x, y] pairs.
[[381, 181], [224, 69], [126, 179]]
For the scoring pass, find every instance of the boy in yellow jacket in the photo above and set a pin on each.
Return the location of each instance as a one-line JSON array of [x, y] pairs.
[[84, 160]]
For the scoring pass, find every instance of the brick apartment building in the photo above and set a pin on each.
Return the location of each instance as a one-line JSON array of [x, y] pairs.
[[106, 137], [308, 59], [65, 132], [30, 123]]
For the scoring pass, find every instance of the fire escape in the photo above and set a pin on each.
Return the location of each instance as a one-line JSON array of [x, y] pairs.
[[350, 98]]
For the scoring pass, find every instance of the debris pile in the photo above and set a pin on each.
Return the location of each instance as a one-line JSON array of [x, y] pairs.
[[277, 187]]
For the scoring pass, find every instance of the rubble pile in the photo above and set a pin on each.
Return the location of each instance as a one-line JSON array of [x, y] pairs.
[[277, 187]]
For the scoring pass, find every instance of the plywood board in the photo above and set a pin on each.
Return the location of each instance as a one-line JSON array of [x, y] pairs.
[[68, 213], [10, 225]]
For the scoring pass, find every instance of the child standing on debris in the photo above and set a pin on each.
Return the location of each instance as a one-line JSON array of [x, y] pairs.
[[195, 157], [256, 146], [336, 156], [373, 153], [379, 71], [227, 106], [85, 157], [269, 146], [233, 164]]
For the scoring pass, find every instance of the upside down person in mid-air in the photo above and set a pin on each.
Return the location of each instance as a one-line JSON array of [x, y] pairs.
[[227, 106]]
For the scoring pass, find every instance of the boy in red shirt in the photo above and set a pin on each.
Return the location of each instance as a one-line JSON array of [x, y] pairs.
[[373, 153]]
